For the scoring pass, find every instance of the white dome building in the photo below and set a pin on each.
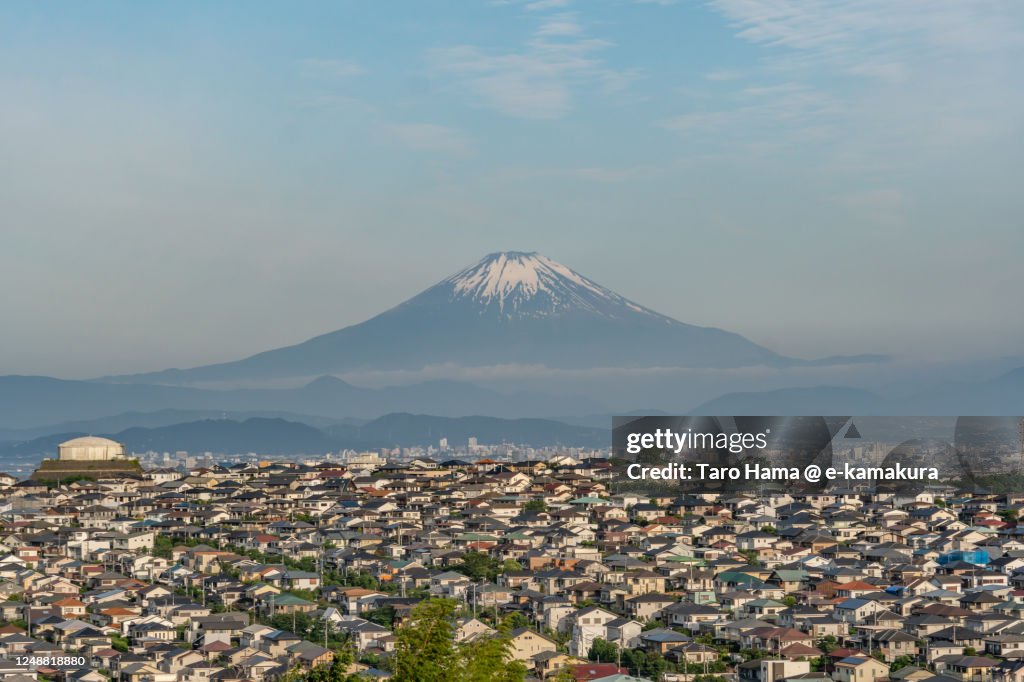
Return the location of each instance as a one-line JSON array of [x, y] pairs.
[[90, 449]]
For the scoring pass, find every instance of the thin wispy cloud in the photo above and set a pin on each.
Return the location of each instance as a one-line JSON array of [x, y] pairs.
[[845, 77], [561, 25], [788, 109], [876, 37], [547, 4], [539, 80]]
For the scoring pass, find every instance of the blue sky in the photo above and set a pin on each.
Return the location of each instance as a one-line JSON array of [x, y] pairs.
[[184, 183]]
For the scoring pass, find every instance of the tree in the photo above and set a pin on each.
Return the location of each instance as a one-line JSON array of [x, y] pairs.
[[490, 658], [698, 668], [754, 654], [425, 650], [339, 666], [516, 620], [901, 662], [603, 651], [294, 674], [383, 615], [299, 623], [828, 643], [535, 506], [321, 673], [647, 664], [478, 566], [424, 647], [162, 546]]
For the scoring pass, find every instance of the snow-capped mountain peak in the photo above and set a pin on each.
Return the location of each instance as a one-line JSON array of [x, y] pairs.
[[517, 283], [509, 309]]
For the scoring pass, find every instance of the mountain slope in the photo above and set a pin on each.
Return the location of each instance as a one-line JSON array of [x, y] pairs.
[[509, 308]]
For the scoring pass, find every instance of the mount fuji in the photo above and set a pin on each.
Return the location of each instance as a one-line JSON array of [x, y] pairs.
[[510, 308]]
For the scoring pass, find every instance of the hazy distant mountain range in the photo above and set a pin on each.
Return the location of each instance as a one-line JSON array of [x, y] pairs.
[[1001, 396], [37, 401], [273, 436]]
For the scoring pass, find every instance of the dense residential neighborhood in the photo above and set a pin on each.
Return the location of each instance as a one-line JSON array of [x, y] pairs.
[[288, 571]]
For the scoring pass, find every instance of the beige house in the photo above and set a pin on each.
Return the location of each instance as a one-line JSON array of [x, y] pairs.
[[526, 644], [860, 669], [472, 628]]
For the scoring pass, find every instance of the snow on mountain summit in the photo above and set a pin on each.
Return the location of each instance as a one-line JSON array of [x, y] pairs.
[[517, 283]]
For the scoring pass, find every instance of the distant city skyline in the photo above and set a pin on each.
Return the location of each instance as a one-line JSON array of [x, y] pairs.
[[191, 183]]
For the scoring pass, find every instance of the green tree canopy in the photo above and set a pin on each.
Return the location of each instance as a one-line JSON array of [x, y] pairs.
[[424, 647], [425, 650], [478, 566]]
